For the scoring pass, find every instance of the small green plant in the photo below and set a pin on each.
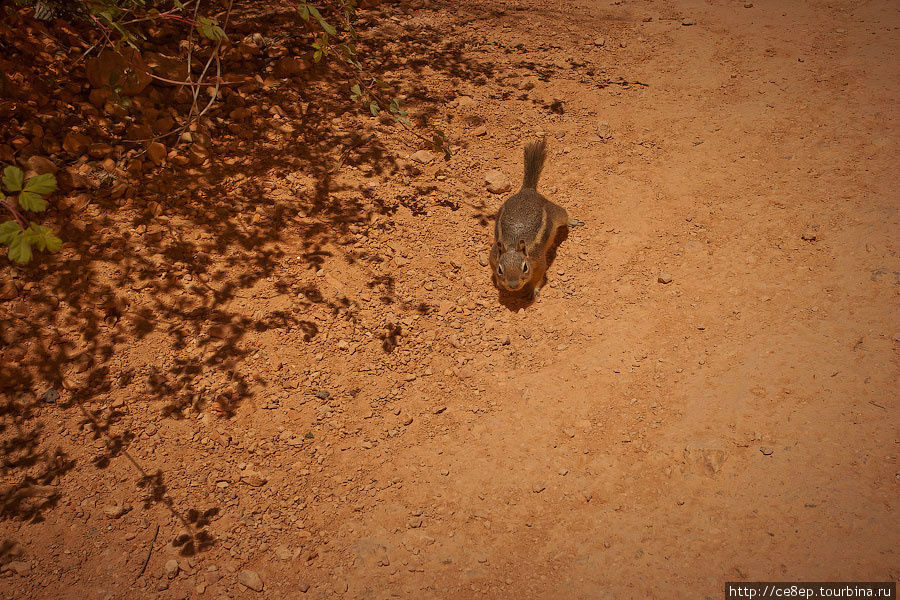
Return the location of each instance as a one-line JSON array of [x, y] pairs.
[[209, 28], [366, 90], [19, 235]]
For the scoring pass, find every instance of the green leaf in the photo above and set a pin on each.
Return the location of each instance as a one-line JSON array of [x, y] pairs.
[[9, 231], [19, 250], [374, 108], [42, 238], [322, 22], [178, 4], [317, 55], [304, 11], [53, 243], [209, 28], [327, 27], [13, 178], [41, 184], [33, 202]]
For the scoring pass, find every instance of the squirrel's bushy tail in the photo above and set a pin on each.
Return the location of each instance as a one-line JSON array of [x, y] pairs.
[[535, 153]]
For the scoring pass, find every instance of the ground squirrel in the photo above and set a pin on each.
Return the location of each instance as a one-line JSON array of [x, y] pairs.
[[526, 228]]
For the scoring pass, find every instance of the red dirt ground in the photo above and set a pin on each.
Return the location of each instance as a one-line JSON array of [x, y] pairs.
[[618, 438]]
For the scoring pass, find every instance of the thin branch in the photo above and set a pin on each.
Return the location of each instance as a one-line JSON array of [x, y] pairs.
[[194, 115], [190, 83], [149, 552], [8, 203], [351, 148]]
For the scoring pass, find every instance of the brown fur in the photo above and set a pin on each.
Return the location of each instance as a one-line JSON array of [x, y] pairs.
[[526, 227]]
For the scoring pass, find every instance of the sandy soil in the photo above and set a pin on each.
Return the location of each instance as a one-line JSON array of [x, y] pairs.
[[344, 407]]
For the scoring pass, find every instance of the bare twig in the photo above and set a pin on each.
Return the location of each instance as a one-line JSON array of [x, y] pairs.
[[149, 552], [8, 203], [350, 149], [194, 115], [191, 43], [190, 83], [169, 14]]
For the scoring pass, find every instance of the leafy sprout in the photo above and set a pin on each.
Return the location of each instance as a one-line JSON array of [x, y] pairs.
[[21, 237]]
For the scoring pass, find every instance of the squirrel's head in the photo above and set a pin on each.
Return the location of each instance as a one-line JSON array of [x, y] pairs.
[[513, 270]]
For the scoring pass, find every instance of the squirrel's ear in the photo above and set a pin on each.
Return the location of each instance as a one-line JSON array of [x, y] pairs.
[[520, 247]]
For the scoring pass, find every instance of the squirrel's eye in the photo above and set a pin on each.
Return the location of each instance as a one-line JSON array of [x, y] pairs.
[[499, 270], [524, 267]]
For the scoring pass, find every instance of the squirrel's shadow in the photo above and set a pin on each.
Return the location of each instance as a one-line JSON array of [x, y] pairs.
[[523, 299]]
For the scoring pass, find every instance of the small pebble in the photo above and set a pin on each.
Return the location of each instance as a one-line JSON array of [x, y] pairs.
[[664, 278], [423, 156], [20, 567], [114, 511], [537, 488], [767, 450], [171, 568], [497, 182], [251, 579]]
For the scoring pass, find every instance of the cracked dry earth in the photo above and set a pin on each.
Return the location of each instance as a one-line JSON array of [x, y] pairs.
[[409, 434]]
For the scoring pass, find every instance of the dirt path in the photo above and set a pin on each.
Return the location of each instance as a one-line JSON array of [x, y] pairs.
[[619, 438]]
